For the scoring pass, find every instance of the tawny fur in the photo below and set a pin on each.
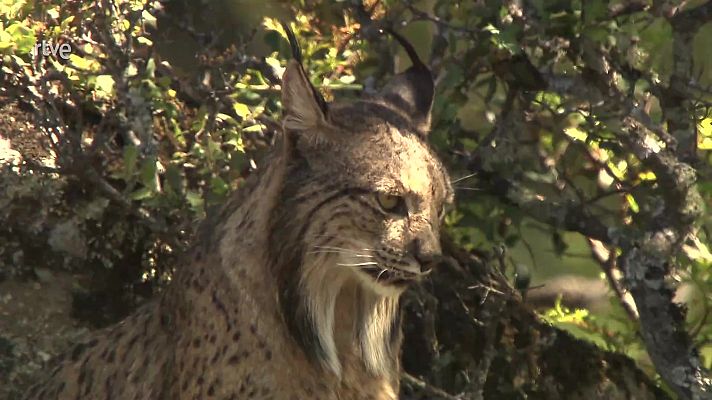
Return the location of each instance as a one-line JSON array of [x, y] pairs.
[[273, 302]]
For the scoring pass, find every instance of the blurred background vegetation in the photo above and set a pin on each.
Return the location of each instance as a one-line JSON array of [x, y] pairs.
[[109, 158]]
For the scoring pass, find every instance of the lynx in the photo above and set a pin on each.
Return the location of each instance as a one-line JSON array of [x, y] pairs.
[[291, 291]]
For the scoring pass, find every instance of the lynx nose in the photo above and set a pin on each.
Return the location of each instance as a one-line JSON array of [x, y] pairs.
[[427, 255]]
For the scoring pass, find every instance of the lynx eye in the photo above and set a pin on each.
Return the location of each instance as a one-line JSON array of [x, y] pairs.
[[389, 202]]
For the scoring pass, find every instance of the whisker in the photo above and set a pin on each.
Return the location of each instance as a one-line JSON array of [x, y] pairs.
[[380, 273], [339, 252], [323, 235], [363, 264], [468, 188], [463, 178], [341, 249]]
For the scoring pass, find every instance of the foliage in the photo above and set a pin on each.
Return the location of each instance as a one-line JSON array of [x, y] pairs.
[[613, 331], [536, 108]]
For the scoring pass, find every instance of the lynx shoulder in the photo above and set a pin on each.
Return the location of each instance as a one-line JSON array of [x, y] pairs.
[[292, 290]]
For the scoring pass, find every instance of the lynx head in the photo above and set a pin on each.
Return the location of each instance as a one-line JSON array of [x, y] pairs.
[[361, 205]]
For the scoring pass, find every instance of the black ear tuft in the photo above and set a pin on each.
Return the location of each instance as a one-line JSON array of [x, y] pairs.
[[297, 55], [417, 63], [412, 91], [293, 43]]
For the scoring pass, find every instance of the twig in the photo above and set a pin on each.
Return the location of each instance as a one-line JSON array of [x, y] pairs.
[[422, 15], [607, 265], [428, 388]]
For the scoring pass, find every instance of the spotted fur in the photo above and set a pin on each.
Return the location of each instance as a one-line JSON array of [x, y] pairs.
[[292, 290]]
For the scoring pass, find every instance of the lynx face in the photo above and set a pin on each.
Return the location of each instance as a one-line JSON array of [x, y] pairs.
[[381, 223], [366, 189]]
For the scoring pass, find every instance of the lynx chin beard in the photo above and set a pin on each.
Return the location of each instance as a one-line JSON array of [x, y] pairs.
[[340, 288]]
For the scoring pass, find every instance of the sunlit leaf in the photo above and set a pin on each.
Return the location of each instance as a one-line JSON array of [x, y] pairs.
[[576, 133], [241, 110], [632, 203], [104, 85]]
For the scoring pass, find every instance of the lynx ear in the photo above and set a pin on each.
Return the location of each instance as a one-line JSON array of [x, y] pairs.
[[412, 91], [304, 107], [300, 100]]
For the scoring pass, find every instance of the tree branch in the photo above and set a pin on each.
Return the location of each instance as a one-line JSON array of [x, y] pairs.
[[677, 108], [650, 246], [691, 20]]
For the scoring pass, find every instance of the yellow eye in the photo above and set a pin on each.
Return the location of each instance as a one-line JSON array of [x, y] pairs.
[[388, 202]]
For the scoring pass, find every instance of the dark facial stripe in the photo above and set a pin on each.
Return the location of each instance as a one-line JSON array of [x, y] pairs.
[[328, 200], [347, 210], [338, 212], [320, 188]]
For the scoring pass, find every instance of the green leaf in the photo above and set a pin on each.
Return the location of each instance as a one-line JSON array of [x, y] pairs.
[[241, 110], [82, 63], [148, 173], [226, 118], [347, 79], [53, 13], [200, 119], [253, 128], [632, 203], [597, 34], [12, 8], [468, 144], [218, 186], [104, 86], [22, 36], [151, 67], [274, 63], [214, 152], [141, 194], [64, 25], [593, 10], [551, 99], [235, 139], [575, 133], [194, 199], [130, 159], [149, 19], [174, 179], [144, 41]]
